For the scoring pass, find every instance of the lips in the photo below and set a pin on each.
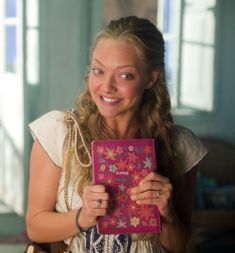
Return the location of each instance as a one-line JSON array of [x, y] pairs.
[[110, 100]]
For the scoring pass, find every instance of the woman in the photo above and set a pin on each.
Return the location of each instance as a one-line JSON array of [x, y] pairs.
[[125, 97]]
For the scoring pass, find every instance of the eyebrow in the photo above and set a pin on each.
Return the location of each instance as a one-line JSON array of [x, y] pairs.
[[124, 66]]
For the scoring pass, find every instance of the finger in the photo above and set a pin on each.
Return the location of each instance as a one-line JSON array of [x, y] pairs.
[[95, 212], [153, 176], [161, 199], [149, 202], [94, 196], [102, 196], [94, 188], [163, 194], [146, 195], [99, 204], [147, 186]]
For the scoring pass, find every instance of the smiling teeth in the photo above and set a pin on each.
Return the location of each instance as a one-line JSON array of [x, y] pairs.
[[110, 100]]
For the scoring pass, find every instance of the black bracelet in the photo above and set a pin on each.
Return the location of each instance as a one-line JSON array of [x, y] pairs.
[[80, 229]]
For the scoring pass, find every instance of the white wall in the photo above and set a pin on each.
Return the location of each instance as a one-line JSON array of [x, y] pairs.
[[67, 28]]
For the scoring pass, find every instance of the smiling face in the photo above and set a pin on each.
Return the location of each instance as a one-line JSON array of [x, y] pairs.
[[117, 79]]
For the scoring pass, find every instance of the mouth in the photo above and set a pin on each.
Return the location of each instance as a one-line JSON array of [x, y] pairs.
[[110, 100]]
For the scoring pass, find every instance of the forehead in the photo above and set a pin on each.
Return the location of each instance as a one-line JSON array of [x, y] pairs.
[[117, 51]]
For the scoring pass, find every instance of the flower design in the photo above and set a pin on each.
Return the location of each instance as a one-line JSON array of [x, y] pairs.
[[101, 160], [132, 157], [136, 178], [131, 167], [110, 154], [110, 179], [121, 224], [101, 177], [135, 221], [100, 150], [122, 187], [130, 148], [102, 167], [122, 164], [139, 150], [147, 163], [113, 222], [147, 212], [112, 168], [147, 150], [120, 168], [153, 222], [132, 208]]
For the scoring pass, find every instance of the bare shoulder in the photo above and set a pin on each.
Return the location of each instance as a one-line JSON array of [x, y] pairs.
[[40, 160], [43, 182]]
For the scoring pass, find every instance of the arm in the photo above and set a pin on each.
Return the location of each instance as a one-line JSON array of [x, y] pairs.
[[175, 205], [179, 222], [43, 223]]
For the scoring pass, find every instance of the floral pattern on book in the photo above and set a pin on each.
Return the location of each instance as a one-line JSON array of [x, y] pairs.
[[119, 166]]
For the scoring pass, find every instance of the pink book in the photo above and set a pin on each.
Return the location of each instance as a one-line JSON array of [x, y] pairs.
[[120, 165]]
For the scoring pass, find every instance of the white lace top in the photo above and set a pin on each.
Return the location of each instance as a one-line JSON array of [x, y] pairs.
[[50, 130]]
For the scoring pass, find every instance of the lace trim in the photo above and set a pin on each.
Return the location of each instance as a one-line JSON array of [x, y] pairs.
[[97, 243]]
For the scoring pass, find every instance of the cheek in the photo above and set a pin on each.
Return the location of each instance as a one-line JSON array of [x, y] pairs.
[[92, 84], [134, 92]]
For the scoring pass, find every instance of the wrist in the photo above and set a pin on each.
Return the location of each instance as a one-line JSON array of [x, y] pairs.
[[171, 218], [80, 228]]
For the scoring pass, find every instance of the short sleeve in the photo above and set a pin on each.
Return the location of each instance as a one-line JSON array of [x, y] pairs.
[[50, 130], [189, 149]]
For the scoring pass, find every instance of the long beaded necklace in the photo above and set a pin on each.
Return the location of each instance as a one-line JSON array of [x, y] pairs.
[[70, 118]]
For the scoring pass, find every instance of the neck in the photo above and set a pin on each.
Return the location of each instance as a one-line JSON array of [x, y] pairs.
[[124, 130]]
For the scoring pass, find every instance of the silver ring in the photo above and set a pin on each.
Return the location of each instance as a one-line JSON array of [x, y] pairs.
[[157, 194], [99, 203]]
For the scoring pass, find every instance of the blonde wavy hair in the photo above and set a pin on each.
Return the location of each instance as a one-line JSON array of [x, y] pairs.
[[154, 111]]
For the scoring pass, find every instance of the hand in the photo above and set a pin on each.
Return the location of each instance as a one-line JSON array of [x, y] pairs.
[[155, 189], [95, 203]]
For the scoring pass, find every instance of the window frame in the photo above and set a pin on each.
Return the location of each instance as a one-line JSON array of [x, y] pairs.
[[12, 113], [178, 108]]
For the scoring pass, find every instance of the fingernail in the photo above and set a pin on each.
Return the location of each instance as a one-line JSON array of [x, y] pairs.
[[133, 197]]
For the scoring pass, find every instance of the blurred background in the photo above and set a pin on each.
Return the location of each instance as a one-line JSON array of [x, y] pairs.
[[44, 52]]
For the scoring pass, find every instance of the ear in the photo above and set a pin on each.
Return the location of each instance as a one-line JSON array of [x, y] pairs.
[[152, 80]]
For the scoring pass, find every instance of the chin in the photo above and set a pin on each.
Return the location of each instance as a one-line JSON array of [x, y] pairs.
[[108, 115]]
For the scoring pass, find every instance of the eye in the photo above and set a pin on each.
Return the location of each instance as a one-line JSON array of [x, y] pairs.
[[97, 71], [127, 76]]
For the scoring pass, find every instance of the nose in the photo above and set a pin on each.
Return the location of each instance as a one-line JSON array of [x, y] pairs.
[[109, 83]]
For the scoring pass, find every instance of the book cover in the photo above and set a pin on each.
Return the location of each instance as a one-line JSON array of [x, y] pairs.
[[120, 165]]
